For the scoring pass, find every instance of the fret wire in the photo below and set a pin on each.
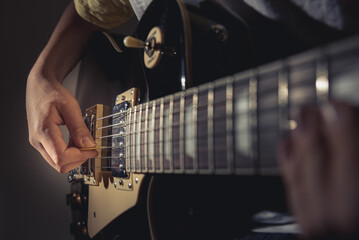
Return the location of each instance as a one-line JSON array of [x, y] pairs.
[[148, 134], [132, 121], [150, 142], [254, 114], [283, 99], [128, 148], [229, 125], [133, 139], [194, 122], [125, 112], [178, 111], [146, 142], [138, 146], [171, 160], [322, 81], [181, 133], [90, 165], [117, 147], [131, 133], [153, 136], [210, 126], [102, 141], [253, 120], [161, 135], [173, 125]]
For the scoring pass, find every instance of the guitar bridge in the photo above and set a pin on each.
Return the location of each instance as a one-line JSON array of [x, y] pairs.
[[92, 170]]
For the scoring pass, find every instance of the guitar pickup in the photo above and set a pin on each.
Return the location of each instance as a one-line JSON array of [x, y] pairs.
[[118, 162], [110, 132]]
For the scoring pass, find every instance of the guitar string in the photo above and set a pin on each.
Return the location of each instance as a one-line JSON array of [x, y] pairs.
[[110, 167], [118, 147], [135, 146], [126, 124], [149, 129], [139, 131], [124, 112], [155, 102], [123, 124], [173, 99], [112, 116], [97, 168], [123, 146], [116, 135]]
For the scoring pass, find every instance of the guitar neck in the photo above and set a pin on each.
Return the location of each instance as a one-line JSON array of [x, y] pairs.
[[232, 125]]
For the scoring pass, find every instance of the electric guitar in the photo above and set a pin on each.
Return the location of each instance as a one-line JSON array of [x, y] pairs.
[[197, 163]]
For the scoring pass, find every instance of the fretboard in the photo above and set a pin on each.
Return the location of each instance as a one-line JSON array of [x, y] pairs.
[[232, 125]]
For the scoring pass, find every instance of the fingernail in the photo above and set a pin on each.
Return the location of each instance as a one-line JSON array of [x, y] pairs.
[[329, 113], [88, 142]]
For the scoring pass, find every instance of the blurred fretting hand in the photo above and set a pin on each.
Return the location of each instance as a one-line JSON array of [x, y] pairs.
[[320, 165]]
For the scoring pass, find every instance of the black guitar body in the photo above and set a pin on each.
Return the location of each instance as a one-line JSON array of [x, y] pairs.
[[190, 207], [209, 44], [200, 45], [211, 207]]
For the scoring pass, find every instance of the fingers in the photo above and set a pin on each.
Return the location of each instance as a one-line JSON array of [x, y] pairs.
[[79, 133], [341, 130], [309, 146], [60, 168], [286, 162], [302, 157], [48, 105], [319, 162], [304, 151], [53, 148], [342, 133]]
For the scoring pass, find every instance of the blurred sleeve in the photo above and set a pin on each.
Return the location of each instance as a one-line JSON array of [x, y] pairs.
[[104, 13]]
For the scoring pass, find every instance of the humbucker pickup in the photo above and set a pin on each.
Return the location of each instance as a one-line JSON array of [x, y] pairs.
[[110, 132], [118, 160]]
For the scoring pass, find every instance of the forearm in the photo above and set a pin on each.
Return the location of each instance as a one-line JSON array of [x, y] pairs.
[[65, 47], [49, 104]]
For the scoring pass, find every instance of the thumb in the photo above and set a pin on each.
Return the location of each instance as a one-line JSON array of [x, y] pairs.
[[80, 135]]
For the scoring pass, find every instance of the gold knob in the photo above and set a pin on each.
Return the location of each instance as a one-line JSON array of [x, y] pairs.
[[132, 42]]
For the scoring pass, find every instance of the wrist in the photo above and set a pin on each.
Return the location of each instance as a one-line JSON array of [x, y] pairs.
[[39, 74]]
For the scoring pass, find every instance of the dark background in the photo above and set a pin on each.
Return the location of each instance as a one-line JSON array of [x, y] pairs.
[[32, 195]]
